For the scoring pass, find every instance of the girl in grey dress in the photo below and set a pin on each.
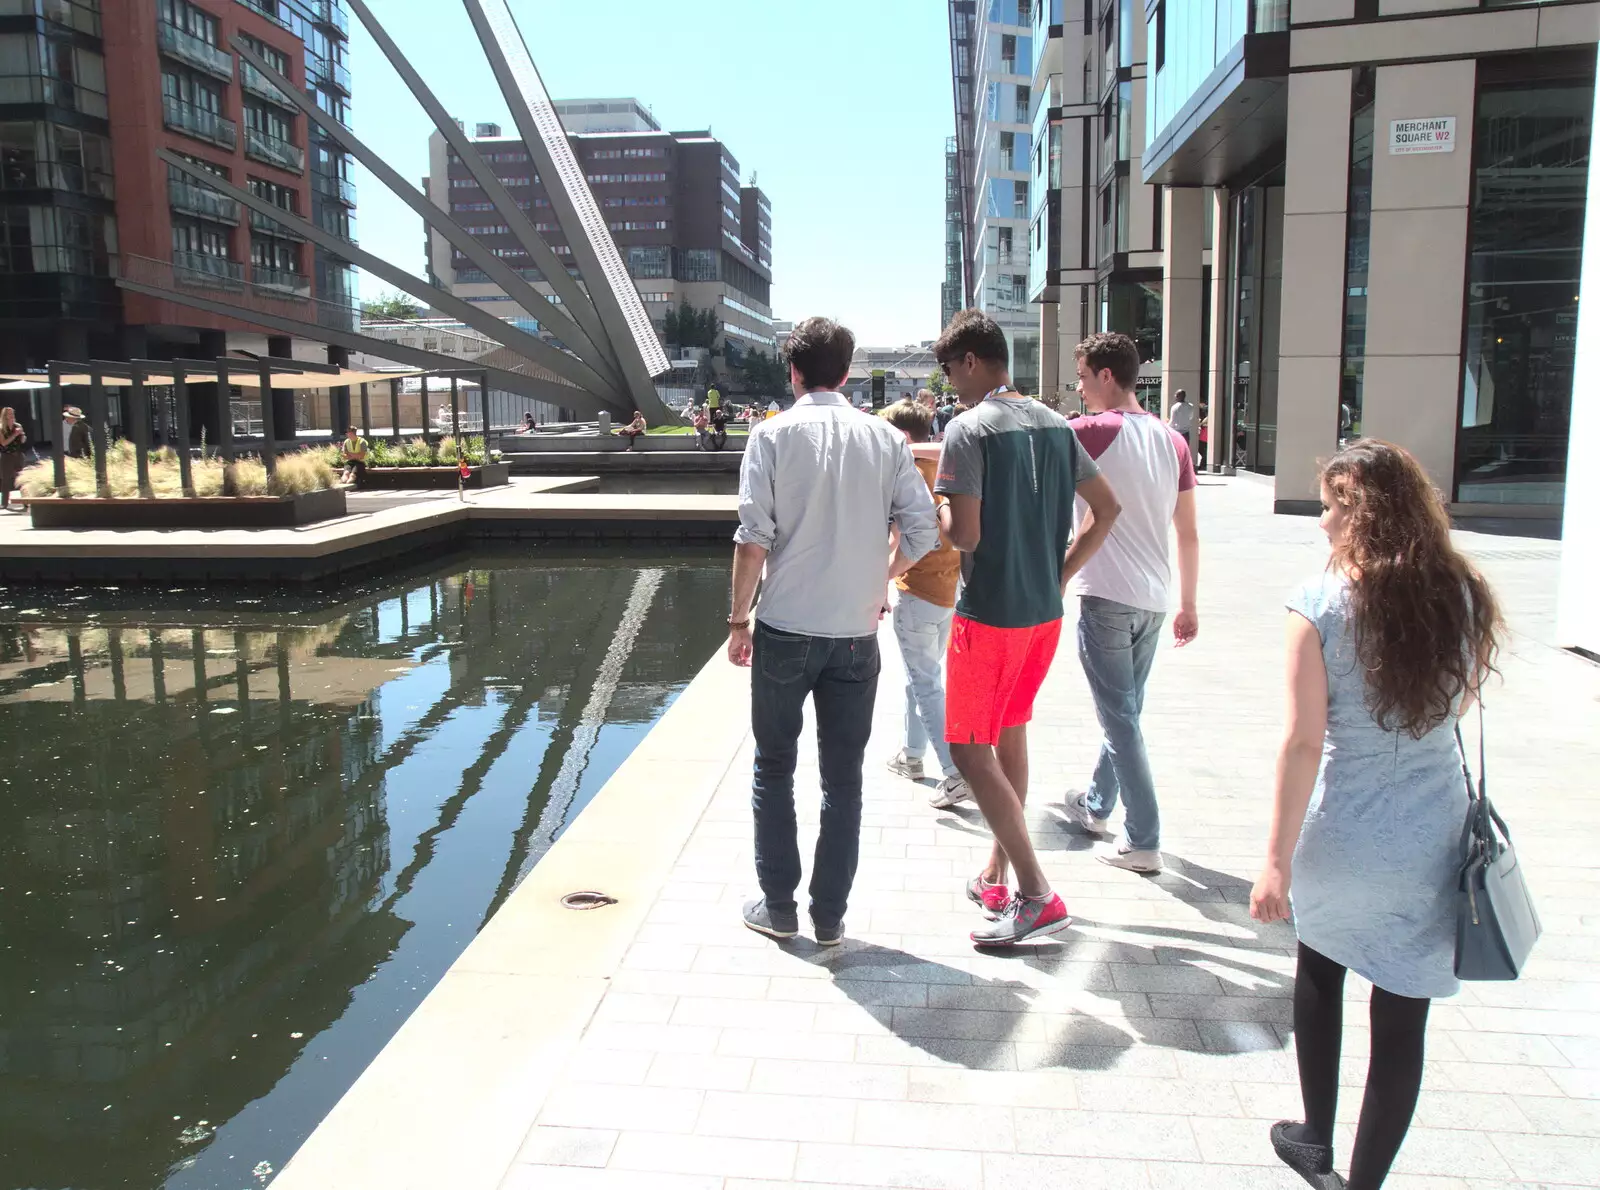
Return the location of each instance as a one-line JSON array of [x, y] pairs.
[[1386, 650]]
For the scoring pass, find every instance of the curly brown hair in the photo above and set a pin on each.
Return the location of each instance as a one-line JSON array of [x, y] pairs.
[[1427, 625]]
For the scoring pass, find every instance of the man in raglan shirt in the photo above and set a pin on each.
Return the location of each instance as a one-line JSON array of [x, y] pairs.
[[1011, 468], [1126, 590]]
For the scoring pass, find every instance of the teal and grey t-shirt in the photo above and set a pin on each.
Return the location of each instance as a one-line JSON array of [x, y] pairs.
[[1025, 463]]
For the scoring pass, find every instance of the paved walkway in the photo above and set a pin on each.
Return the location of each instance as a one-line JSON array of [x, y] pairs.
[[1149, 1046]]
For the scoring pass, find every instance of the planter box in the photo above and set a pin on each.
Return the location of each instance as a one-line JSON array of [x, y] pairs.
[[487, 476], [211, 512]]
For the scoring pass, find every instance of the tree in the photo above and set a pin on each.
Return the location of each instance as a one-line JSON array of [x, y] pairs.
[[688, 327], [937, 384], [764, 376], [392, 305]]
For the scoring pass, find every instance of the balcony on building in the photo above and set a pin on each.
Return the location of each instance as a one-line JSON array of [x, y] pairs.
[[331, 14], [201, 268], [283, 280], [194, 199], [265, 147], [256, 83], [337, 188], [198, 122], [326, 73], [192, 51], [1217, 99], [267, 225]]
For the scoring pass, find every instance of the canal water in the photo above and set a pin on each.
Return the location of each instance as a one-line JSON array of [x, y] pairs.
[[242, 836]]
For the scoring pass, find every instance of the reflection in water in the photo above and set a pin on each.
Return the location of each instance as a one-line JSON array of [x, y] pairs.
[[238, 846]]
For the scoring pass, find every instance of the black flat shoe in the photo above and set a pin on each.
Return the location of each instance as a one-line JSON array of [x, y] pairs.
[[1314, 1163]]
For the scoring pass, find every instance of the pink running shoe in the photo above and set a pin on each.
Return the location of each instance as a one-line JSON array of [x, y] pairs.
[[991, 898], [1025, 918]]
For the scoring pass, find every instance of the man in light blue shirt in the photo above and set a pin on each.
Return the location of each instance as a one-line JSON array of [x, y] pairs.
[[819, 487]]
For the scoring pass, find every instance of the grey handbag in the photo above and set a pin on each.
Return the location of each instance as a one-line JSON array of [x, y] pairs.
[[1496, 923]]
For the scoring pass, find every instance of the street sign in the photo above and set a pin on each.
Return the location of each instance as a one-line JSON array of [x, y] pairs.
[[1429, 134]]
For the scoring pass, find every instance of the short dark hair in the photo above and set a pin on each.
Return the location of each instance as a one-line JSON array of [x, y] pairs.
[[821, 350], [912, 418], [1180, 395], [349, 429], [974, 331], [1109, 349]]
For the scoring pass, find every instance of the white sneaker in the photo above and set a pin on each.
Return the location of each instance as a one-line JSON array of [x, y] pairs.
[[950, 791], [1079, 814], [906, 766], [1120, 855]]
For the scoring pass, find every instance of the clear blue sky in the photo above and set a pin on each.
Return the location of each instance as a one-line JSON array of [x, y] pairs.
[[840, 107]]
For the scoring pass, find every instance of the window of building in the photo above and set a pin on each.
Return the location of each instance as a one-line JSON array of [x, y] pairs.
[[649, 262], [192, 90], [269, 121], [273, 57], [269, 252], [196, 22], [285, 197], [36, 69], [1358, 246], [198, 238], [648, 225], [699, 264], [39, 155], [1530, 179], [56, 240]]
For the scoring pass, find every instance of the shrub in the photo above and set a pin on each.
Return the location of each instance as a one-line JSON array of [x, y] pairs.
[[299, 472]]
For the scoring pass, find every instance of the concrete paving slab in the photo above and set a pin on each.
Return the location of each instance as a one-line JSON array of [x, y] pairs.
[[1149, 1046]]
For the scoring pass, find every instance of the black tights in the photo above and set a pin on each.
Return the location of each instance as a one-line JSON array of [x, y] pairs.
[[1394, 1073]]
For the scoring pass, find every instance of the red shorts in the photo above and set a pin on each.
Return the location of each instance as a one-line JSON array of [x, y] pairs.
[[993, 676]]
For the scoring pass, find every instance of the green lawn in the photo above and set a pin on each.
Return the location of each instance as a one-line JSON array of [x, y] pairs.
[[689, 430]]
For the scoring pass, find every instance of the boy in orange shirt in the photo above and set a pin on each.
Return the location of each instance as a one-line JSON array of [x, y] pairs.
[[922, 619]]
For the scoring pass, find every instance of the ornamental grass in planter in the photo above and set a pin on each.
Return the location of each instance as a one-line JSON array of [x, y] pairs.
[[418, 452], [299, 473]]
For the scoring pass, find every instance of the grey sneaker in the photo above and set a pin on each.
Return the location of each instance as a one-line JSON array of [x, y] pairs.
[[1025, 918], [1079, 814], [902, 765], [1120, 855], [827, 935], [774, 924], [950, 791]]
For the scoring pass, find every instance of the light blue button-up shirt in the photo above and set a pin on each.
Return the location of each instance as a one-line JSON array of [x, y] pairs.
[[818, 488]]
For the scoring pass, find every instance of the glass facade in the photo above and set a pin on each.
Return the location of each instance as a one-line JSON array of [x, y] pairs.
[[1531, 153], [1256, 305], [1358, 249]]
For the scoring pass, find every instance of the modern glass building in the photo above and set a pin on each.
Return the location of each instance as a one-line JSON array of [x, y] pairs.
[[992, 74], [1352, 217], [1095, 226], [94, 89], [1398, 196]]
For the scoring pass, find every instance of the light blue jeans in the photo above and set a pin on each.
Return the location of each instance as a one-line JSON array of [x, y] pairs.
[[923, 630], [1117, 645]]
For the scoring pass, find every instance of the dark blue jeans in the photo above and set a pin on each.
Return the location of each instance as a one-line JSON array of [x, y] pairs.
[[841, 676]]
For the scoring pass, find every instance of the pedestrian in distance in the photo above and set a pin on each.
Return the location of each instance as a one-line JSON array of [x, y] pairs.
[[1184, 418], [719, 428], [633, 430], [923, 611], [75, 433], [1387, 648], [528, 424], [1011, 469], [1125, 590], [354, 449], [701, 423], [12, 441], [819, 489]]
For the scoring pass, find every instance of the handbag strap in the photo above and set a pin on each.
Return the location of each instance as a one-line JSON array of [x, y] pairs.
[[1482, 818]]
